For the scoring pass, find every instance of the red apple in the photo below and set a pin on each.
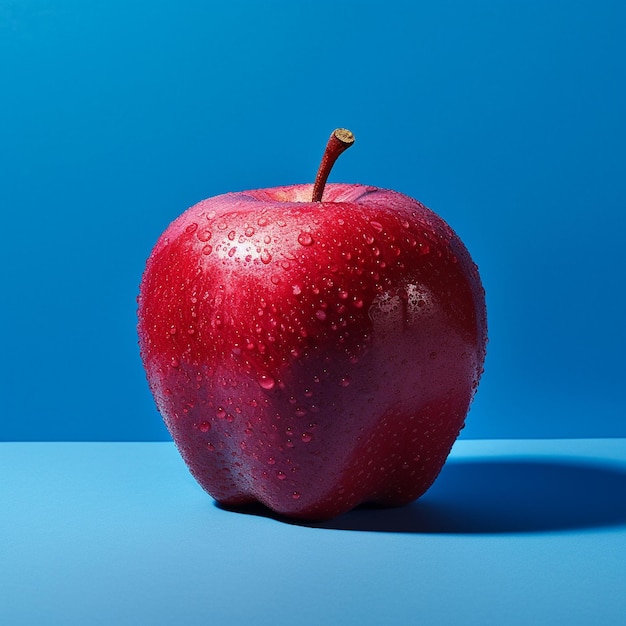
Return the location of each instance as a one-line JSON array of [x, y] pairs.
[[312, 353]]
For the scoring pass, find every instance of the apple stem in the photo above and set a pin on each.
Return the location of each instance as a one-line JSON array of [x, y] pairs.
[[340, 139]]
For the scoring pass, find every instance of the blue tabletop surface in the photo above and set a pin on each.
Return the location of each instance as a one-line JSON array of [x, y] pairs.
[[512, 532]]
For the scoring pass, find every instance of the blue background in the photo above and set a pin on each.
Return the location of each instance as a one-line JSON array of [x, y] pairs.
[[116, 116]]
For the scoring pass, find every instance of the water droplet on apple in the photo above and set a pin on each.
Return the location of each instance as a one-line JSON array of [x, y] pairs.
[[377, 226], [191, 228], [174, 362], [266, 382], [305, 239], [306, 437], [281, 475], [207, 249], [249, 231], [231, 235], [210, 447], [321, 315], [262, 221], [172, 330], [204, 235], [296, 290], [265, 257], [231, 252], [295, 495], [345, 381], [221, 413], [204, 427]]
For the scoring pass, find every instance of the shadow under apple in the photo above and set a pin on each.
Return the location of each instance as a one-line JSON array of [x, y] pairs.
[[495, 497]]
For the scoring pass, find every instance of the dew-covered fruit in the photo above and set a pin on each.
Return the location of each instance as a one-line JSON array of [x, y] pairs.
[[312, 355]]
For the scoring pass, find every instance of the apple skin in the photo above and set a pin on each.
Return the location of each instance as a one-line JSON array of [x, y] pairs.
[[312, 356]]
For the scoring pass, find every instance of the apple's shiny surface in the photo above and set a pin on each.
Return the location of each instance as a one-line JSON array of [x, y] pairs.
[[312, 355]]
